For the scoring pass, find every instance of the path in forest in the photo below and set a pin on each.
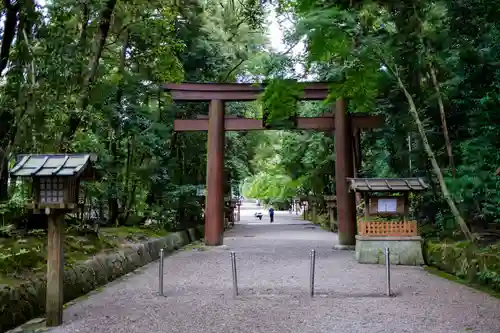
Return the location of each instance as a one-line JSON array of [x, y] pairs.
[[273, 268]]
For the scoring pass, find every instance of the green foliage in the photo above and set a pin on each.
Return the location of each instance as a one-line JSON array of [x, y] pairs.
[[13, 207], [279, 102], [83, 96], [266, 186], [467, 262], [17, 260], [364, 48], [23, 256], [288, 164]]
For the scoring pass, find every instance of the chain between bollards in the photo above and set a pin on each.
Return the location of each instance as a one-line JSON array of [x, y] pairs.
[[388, 271], [160, 273], [312, 269], [235, 277]]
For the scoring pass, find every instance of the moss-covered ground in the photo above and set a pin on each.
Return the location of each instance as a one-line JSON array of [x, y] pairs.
[[468, 283], [24, 255]]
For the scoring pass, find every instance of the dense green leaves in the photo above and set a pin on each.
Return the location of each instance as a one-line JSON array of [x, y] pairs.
[[444, 57], [84, 77]]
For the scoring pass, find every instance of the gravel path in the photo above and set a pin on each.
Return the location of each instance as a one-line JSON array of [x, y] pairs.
[[273, 268]]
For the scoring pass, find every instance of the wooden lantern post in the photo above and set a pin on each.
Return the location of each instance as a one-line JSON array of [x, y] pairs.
[[312, 200], [331, 203], [227, 212], [56, 180], [238, 217], [296, 205], [201, 197], [232, 205], [304, 204]]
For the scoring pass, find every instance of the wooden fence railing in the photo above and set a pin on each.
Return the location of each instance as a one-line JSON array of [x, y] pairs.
[[386, 228]]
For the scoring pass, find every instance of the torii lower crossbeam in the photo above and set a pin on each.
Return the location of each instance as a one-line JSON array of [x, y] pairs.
[[216, 125], [326, 122]]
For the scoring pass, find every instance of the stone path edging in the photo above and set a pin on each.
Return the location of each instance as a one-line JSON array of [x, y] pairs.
[[21, 303]]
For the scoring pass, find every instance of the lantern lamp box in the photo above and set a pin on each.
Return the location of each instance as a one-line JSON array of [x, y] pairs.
[[398, 232], [56, 178], [200, 190]]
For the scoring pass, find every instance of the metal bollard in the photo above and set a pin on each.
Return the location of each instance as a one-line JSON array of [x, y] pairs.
[[160, 273], [312, 269], [235, 277], [388, 271]]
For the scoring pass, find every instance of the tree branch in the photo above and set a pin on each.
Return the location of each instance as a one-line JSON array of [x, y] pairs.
[[9, 31], [233, 69], [442, 113], [432, 158]]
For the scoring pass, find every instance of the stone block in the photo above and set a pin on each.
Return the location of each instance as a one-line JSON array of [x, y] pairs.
[[200, 230], [177, 240], [403, 250], [192, 234], [183, 238]]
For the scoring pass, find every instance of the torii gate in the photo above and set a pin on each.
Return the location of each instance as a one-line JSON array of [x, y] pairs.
[[346, 133]]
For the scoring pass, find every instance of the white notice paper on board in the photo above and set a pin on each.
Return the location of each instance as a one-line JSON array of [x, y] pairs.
[[387, 205]]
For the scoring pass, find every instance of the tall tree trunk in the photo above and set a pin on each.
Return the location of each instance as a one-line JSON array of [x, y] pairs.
[[102, 35], [432, 71], [9, 31], [435, 167], [442, 113], [11, 119], [128, 167], [82, 41], [117, 134], [113, 183], [4, 178]]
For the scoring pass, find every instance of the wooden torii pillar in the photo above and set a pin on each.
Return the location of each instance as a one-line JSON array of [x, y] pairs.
[[216, 124]]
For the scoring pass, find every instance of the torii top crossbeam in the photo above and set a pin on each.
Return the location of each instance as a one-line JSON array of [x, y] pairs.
[[204, 92], [313, 91]]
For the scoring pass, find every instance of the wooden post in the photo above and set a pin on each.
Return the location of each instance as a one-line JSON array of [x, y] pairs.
[[332, 218], [55, 269], [406, 200], [356, 143], [367, 206], [214, 211], [346, 208]]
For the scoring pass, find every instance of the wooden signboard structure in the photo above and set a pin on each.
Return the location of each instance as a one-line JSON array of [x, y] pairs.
[[55, 187], [386, 222], [345, 126], [387, 205]]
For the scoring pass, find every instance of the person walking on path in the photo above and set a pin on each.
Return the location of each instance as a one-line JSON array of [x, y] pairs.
[[271, 214]]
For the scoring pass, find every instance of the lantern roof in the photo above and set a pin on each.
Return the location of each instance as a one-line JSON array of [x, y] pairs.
[[53, 165], [387, 184]]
